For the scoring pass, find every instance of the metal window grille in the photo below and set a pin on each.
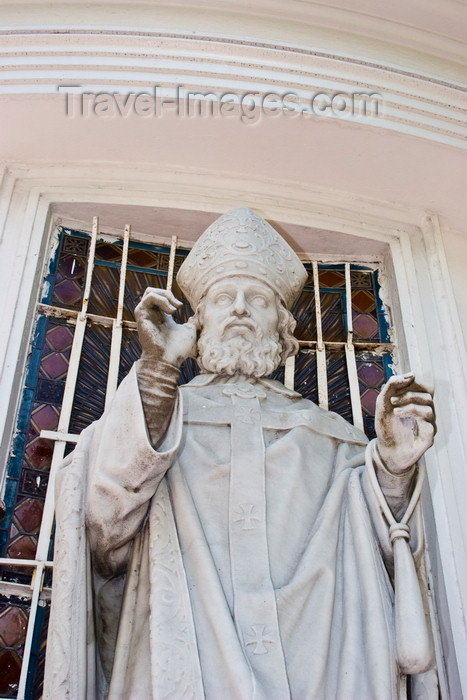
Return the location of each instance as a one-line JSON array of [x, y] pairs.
[[85, 343]]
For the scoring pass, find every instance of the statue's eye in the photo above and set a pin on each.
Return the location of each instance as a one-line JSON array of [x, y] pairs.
[[223, 298], [260, 300]]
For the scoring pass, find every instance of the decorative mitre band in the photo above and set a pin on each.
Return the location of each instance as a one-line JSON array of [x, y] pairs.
[[241, 243]]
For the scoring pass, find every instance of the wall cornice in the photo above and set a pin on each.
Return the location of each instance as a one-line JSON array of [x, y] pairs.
[[38, 61], [421, 30]]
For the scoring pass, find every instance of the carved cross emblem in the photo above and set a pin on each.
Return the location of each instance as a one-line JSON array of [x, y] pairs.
[[245, 513], [259, 638], [247, 414]]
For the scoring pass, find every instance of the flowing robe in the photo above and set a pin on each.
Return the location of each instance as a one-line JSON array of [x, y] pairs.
[[243, 559]]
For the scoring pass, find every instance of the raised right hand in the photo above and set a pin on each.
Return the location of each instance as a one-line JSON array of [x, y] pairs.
[[162, 338]]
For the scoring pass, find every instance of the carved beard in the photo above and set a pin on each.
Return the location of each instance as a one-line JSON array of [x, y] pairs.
[[238, 355]]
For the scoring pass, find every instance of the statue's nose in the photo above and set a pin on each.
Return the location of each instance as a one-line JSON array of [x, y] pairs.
[[240, 307]]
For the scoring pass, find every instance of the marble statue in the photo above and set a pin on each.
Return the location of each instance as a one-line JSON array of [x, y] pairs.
[[228, 539]]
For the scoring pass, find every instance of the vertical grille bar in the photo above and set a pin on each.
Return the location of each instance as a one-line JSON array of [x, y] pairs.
[[114, 362], [58, 454], [350, 357], [323, 399]]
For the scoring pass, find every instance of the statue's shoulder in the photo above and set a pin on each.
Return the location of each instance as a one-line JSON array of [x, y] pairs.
[[204, 392], [323, 421], [333, 424]]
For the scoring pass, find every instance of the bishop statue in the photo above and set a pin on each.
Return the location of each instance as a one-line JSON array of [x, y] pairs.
[[227, 539]]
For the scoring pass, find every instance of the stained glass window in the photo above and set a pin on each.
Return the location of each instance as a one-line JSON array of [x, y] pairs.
[[370, 339], [48, 367]]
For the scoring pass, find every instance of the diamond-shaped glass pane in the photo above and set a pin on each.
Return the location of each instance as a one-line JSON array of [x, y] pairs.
[[45, 417], [371, 374], [29, 514], [39, 453], [67, 293], [143, 258], [13, 624], [331, 278], [365, 327], [55, 365], [22, 547], [108, 251], [363, 301], [60, 338], [10, 669], [72, 267], [368, 399]]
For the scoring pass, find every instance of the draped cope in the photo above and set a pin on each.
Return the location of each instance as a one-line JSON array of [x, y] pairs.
[[246, 558]]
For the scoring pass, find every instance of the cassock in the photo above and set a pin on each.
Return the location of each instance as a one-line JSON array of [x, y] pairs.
[[246, 558]]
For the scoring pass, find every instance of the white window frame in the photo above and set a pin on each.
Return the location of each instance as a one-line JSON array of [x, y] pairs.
[[421, 300]]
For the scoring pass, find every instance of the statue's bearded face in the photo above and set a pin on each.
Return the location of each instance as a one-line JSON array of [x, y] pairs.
[[240, 320]]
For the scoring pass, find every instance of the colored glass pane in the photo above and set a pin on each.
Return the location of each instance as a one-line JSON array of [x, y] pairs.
[[44, 417], [10, 669], [35, 682], [39, 453], [103, 299], [13, 624], [338, 384], [371, 374], [71, 267], [360, 279], [332, 317], [67, 293], [33, 483], [365, 327], [22, 547], [110, 252], [28, 514], [363, 301], [59, 338], [331, 278], [305, 375], [69, 277], [303, 311], [74, 245], [89, 399], [368, 399], [143, 258], [50, 391], [164, 262], [54, 365], [30, 463]]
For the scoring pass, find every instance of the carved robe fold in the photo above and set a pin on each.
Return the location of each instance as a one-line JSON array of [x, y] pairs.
[[243, 559]]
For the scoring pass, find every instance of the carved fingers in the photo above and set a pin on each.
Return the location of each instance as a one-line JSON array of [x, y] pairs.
[[404, 421], [161, 337], [154, 298]]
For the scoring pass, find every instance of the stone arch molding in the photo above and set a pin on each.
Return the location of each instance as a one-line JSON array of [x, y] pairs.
[[172, 64], [408, 241]]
